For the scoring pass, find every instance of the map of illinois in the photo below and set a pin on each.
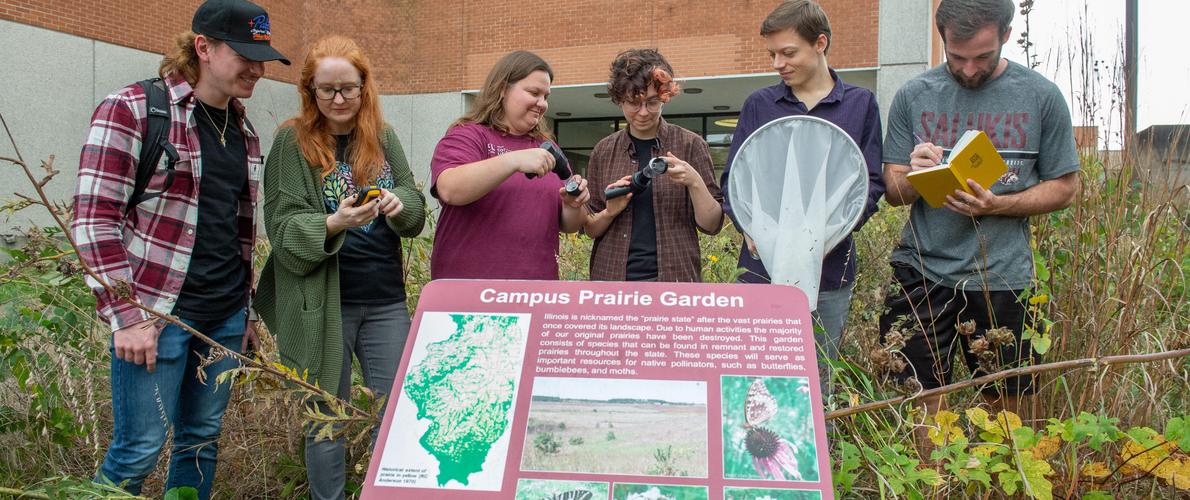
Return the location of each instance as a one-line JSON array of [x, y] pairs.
[[465, 387]]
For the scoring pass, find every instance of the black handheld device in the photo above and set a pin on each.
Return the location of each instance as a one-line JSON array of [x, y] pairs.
[[641, 179], [561, 168]]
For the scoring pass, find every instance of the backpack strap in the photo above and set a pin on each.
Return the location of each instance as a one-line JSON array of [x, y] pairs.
[[154, 143]]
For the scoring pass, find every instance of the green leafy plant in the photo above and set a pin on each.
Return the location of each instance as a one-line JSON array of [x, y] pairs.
[[547, 443]]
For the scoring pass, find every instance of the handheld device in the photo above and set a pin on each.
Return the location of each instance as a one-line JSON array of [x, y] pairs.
[[561, 165], [641, 179], [366, 194]]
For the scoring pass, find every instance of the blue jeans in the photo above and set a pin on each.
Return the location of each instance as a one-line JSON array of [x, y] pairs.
[[833, 307], [376, 334], [145, 405]]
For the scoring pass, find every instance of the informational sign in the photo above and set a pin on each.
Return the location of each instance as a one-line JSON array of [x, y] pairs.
[[605, 390]]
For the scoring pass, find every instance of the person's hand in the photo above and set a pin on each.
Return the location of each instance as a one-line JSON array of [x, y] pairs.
[[390, 204], [578, 200], [619, 203], [251, 342], [348, 216], [681, 172], [535, 161], [751, 246], [138, 343], [983, 202], [925, 155]]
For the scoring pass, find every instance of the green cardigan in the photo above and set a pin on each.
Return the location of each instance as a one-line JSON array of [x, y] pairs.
[[298, 293]]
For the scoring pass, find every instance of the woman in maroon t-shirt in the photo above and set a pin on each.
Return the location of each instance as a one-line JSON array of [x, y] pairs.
[[496, 222]]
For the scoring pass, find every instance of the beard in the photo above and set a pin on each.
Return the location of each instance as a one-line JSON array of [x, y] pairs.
[[976, 81], [979, 79]]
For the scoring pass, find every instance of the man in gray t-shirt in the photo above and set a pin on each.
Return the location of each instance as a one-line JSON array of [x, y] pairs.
[[970, 260]]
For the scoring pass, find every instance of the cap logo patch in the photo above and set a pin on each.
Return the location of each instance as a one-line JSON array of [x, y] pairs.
[[259, 27]]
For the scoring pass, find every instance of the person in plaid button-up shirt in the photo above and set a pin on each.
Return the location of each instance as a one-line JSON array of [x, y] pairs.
[[650, 236], [185, 250]]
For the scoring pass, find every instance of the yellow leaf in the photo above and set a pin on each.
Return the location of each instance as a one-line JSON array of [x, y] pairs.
[[945, 431], [1140, 458], [1035, 472], [1046, 447], [1039, 299], [1097, 470], [978, 416], [985, 450], [1180, 477], [1007, 421]]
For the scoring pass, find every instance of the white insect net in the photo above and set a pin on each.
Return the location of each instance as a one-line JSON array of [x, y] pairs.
[[798, 186]]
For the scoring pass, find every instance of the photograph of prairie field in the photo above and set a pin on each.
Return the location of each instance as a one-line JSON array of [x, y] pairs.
[[632, 491], [617, 426], [731, 493], [768, 429], [546, 489]]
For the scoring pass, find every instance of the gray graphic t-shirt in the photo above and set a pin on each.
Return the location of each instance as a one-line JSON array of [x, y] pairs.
[[1027, 119]]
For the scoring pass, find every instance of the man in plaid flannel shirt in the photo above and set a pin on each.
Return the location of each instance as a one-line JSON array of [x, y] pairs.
[[184, 250]]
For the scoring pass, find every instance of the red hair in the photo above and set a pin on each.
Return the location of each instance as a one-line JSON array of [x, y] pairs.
[[366, 155], [634, 71]]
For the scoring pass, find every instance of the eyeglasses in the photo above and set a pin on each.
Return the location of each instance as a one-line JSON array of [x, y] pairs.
[[347, 91], [653, 105]]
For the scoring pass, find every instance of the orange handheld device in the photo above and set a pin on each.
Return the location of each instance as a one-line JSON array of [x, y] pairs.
[[366, 194]]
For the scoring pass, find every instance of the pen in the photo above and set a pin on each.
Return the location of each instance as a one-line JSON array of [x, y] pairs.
[[918, 137]]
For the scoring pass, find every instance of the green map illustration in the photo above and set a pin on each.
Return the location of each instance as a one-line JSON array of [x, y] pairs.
[[465, 387]]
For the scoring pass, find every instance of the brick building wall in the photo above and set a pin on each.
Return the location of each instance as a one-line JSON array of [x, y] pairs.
[[449, 45]]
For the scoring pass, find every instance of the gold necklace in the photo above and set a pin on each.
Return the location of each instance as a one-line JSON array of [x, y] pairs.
[[222, 140]]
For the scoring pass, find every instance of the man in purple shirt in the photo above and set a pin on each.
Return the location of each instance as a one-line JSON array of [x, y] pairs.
[[797, 35]]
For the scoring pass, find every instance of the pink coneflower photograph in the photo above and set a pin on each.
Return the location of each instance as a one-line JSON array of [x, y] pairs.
[[768, 429]]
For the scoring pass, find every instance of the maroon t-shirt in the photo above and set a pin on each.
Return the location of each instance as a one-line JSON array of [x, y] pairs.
[[509, 233]]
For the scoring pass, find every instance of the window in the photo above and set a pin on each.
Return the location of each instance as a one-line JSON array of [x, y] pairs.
[[578, 136]]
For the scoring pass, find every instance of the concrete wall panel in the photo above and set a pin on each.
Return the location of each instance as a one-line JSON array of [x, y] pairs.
[[47, 104]]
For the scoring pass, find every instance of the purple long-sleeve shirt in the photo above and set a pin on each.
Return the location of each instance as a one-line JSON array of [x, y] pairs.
[[855, 111]]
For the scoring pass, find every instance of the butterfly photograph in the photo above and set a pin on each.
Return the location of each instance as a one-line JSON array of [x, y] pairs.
[[546, 489], [768, 429]]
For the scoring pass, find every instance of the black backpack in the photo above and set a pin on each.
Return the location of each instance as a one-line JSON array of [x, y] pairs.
[[154, 143]]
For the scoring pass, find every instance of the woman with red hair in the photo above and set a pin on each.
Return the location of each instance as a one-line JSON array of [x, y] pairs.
[[334, 284]]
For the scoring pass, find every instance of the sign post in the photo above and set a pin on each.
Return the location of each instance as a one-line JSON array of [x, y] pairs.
[[605, 390]]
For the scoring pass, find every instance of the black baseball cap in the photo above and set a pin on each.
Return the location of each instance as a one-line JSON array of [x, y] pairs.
[[241, 24]]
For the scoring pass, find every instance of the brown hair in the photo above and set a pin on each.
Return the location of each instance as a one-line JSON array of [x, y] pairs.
[[366, 155], [488, 108], [804, 17], [181, 58], [964, 18], [635, 70]]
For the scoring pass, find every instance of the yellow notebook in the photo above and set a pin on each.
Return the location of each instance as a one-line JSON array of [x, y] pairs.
[[973, 157]]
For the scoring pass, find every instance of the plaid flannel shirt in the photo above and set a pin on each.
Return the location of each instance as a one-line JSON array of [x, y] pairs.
[[149, 249], [678, 256]]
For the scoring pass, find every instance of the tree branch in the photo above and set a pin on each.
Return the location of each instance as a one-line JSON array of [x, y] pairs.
[[1025, 370]]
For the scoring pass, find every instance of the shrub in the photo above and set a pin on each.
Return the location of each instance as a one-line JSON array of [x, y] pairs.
[[547, 443]]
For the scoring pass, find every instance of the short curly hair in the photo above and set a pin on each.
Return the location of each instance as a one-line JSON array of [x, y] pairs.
[[635, 70]]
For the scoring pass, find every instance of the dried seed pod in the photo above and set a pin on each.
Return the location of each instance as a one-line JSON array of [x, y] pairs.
[[1001, 336]]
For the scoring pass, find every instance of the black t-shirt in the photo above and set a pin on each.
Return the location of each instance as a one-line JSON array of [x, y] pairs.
[[370, 259], [214, 287], [642, 248]]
